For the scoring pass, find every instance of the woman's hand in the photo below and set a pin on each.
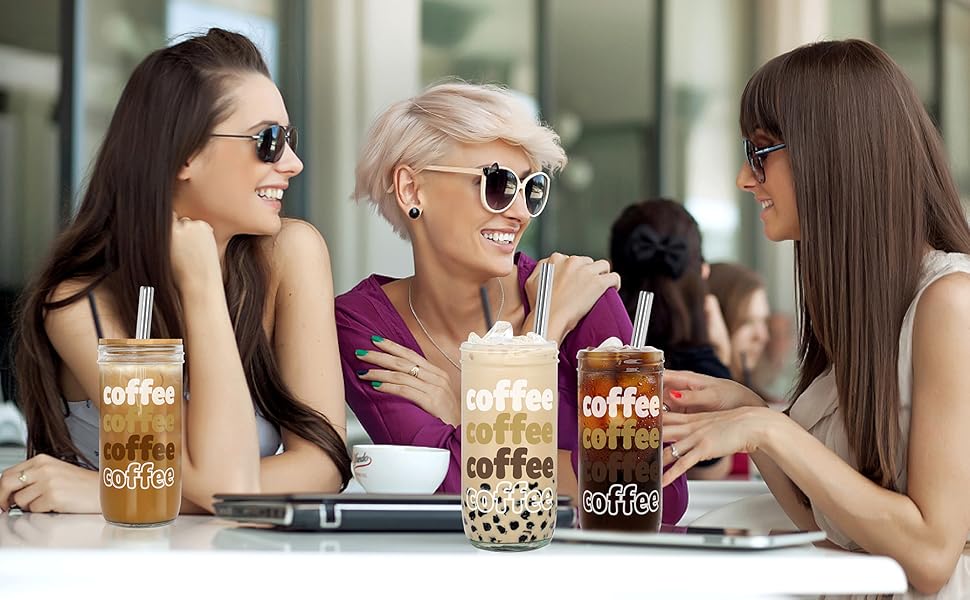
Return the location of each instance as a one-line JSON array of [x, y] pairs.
[[717, 331], [703, 436], [578, 282], [45, 484], [409, 375], [692, 392], [195, 258]]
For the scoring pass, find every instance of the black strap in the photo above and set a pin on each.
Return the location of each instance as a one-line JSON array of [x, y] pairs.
[[94, 314]]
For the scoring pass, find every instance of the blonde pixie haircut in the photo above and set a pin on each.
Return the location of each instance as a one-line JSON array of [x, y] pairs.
[[419, 131]]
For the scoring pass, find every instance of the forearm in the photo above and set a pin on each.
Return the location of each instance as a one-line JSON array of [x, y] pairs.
[[303, 470], [879, 520], [785, 492], [220, 425]]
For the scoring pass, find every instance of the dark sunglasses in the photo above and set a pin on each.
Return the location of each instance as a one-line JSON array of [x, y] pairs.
[[755, 155], [500, 185], [269, 142]]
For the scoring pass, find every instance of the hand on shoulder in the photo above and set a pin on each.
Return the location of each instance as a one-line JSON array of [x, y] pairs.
[[578, 282]]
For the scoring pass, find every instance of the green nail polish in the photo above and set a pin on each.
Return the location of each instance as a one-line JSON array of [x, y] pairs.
[[360, 352], [376, 339], [376, 384]]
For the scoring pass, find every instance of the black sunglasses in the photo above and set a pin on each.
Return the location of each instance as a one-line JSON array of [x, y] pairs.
[[269, 142], [500, 185], [755, 155]]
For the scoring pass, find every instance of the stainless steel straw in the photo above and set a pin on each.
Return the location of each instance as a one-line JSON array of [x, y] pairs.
[[544, 299], [146, 302], [641, 319], [486, 308]]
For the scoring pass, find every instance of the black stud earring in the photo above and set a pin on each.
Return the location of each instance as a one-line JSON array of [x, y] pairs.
[[415, 212]]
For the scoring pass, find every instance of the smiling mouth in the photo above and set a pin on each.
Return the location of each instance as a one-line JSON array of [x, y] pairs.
[[498, 237], [270, 194], [766, 204]]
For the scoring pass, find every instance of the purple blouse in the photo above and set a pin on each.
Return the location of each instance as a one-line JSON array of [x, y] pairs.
[[366, 311]]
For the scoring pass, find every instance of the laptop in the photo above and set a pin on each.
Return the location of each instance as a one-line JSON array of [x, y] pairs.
[[695, 537], [356, 512]]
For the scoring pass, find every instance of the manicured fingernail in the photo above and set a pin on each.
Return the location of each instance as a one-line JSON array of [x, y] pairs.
[[376, 384], [363, 371], [376, 339], [360, 352], [675, 394]]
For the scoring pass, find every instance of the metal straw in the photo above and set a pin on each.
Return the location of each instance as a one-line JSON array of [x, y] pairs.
[[641, 319], [544, 299], [486, 308], [146, 302]]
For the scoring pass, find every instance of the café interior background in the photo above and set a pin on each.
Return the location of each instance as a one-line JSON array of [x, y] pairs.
[[644, 94]]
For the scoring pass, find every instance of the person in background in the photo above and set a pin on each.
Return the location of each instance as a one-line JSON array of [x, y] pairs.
[[741, 294], [844, 160], [655, 246], [185, 196], [460, 172]]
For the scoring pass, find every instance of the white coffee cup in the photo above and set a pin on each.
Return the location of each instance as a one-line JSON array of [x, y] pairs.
[[387, 469]]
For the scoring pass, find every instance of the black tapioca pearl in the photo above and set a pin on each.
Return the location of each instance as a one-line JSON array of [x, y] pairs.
[[523, 538], [487, 526], [502, 530], [496, 519], [484, 486], [543, 524], [514, 525], [530, 525], [533, 485], [526, 514], [471, 515], [493, 540]]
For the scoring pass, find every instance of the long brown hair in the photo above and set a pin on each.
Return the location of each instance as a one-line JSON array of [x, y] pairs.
[[121, 236], [655, 245], [873, 190]]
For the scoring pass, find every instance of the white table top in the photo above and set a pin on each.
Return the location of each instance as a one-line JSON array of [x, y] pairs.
[[80, 556]]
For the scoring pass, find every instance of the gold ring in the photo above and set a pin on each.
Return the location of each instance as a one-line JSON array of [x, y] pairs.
[[414, 371], [22, 477], [674, 452]]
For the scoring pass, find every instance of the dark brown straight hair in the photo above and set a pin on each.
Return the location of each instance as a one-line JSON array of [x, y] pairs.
[[677, 320], [121, 237], [873, 192]]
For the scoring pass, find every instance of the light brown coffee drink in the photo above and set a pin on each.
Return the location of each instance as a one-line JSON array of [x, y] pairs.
[[509, 443], [141, 430]]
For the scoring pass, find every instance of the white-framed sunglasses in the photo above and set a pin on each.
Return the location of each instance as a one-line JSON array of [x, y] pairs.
[[500, 185]]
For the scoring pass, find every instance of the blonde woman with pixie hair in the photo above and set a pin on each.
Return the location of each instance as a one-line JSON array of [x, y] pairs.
[[461, 170]]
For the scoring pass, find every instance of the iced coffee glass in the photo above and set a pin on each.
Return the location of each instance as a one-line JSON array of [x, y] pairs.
[[620, 438], [141, 430], [509, 439]]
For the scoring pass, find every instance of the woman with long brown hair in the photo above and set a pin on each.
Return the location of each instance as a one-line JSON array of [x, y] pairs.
[[844, 160], [185, 196]]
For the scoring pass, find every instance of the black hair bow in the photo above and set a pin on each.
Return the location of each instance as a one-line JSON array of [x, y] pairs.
[[665, 255]]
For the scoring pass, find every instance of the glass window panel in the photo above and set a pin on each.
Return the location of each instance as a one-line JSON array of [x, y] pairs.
[[603, 81], [956, 91]]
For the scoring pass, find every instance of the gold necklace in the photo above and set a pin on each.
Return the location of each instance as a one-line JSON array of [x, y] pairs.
[[428, 335]]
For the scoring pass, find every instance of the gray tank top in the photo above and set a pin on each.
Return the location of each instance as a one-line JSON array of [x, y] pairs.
[[83, 422]]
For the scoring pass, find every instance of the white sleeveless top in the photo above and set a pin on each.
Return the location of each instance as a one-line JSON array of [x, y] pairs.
[[817, 410]]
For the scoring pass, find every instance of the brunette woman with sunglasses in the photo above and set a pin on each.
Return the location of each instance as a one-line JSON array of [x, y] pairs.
[[844, 160], [460, 171], [185, 196]]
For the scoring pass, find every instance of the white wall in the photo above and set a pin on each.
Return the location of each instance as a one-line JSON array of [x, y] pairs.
[[363, 55]]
